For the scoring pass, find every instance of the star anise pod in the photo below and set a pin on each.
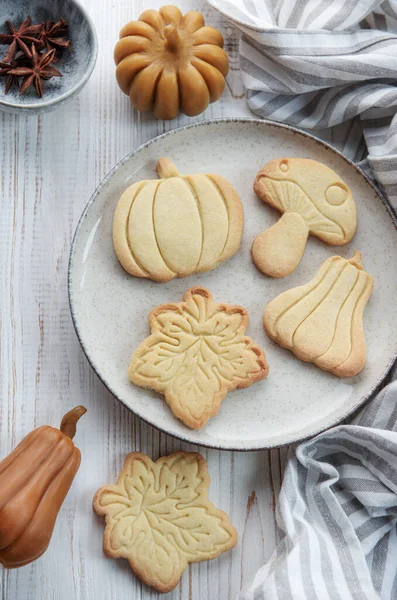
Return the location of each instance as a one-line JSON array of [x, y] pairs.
[[53, 35], [5, 68], [40, 69], [5, 72], [18, 39]]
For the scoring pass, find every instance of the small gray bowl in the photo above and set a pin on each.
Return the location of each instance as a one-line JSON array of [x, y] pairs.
[[76, 64]]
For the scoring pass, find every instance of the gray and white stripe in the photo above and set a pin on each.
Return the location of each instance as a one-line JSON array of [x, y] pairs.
[[337, 513], [320, 64], [331, 66]]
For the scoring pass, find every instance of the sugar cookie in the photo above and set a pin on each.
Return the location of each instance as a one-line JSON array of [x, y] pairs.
[[159, 518], [313, 200], [177, 225], [196, 354], [321, 322]]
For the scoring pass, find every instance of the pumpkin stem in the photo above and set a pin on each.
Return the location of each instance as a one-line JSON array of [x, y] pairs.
[[165, 168], [172, 37], [69, 421], [356, 260]]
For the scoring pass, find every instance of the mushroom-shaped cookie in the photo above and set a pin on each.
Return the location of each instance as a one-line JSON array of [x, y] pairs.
[[313, 200], [321, 322], [170, 63]]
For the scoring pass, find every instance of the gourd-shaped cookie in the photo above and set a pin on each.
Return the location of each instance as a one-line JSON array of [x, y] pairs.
[[176, 226], [313, 200], [321, 322], [170, 63], [196, 354]]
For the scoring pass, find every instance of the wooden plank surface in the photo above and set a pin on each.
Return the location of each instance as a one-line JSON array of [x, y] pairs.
[[49, 167]]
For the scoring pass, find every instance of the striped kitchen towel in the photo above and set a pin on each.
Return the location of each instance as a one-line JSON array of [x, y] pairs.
[[328, 66], [337, 514], [331, 66]]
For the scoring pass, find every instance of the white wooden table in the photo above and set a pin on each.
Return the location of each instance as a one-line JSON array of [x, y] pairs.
[[49, 167]]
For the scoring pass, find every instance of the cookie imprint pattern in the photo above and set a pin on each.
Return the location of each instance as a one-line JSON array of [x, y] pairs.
[[159, 518], [313, 200], [177, 225], [321, 322], [196, 354]]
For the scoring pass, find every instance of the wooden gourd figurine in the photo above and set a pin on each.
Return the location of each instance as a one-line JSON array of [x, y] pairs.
[[170, 63], [34, 481]]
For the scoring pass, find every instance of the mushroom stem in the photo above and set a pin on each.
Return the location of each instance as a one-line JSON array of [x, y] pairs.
[[277, 251], [69, 421], [356, 260], [165, 168], [173, 39]]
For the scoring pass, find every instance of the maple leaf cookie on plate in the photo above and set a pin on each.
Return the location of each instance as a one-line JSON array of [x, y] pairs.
[[196, 354]]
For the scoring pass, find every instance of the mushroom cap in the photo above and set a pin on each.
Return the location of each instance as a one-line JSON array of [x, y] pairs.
[[312, 190]]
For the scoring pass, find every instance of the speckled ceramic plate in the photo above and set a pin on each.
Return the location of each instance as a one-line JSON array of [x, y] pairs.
[[110, 308]]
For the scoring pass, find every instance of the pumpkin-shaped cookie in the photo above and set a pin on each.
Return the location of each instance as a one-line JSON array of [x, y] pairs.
[[170, 63], [321, 322], [314, 201], [177, 225]]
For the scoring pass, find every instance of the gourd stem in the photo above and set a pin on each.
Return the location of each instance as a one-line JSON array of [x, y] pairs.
[[69, 421], [165, 168], [356, 260], [172, 37]]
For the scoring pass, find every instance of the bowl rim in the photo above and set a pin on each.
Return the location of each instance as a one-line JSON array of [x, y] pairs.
[[87, 73], [255, 121]]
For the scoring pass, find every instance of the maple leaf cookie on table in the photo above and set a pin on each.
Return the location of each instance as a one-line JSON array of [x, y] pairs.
[[196, 354], [159, 518]]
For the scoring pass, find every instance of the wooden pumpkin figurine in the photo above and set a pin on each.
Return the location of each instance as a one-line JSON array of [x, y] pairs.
[[170, 63], [34, 480], [177, 225]]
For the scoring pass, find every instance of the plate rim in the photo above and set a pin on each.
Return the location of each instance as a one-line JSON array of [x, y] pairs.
[[227, 120]]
